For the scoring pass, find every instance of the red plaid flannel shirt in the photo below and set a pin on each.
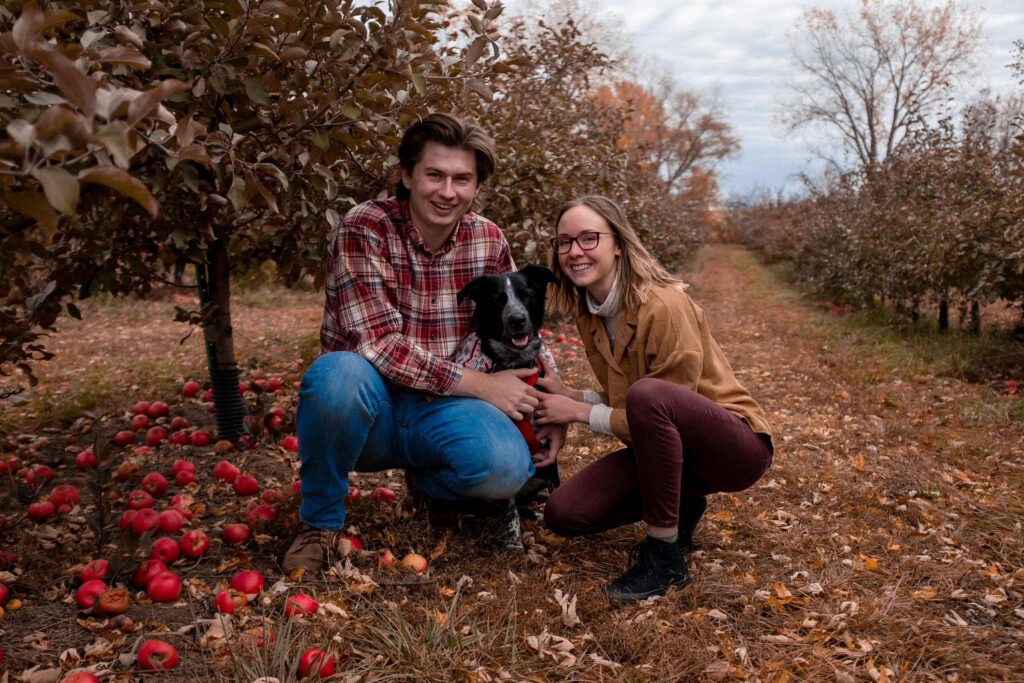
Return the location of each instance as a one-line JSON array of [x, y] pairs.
[[392, 301]]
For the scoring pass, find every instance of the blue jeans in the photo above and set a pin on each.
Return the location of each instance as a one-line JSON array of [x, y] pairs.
[[349, 419]]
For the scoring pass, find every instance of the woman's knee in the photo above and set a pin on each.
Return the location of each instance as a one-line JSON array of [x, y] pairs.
[[563, 517]]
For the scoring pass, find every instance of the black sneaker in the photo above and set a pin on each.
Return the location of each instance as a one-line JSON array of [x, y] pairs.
[[659, 566], [690, 512]]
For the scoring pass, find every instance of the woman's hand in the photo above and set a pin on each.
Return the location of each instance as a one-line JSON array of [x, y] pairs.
[[560, 410], [550, 382]]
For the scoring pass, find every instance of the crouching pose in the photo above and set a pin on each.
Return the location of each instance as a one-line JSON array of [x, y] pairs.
[[668, 392], [386, 393]]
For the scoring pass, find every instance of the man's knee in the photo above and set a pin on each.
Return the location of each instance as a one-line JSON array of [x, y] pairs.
[[336, 380]]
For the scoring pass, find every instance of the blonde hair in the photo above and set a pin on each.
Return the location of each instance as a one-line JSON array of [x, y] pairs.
[[637, 270]]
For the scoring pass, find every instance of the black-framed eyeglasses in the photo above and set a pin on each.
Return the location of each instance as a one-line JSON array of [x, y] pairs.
[[586, 240]]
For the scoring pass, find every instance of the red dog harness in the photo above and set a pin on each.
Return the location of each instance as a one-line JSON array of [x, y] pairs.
[[524, 425]]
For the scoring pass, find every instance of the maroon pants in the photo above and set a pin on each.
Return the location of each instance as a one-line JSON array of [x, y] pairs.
[[684, 445]]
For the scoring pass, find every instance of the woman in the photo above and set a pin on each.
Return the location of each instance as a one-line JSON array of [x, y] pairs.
[[668, 392]]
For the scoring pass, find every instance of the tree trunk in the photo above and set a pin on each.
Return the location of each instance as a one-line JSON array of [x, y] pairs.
[[975, 328], [943, 314], [215, 299]]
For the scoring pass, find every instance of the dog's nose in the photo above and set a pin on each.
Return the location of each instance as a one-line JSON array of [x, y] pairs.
[[517, 321]]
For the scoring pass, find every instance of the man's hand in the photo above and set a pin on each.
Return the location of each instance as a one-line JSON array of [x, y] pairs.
[[504, 390], [555, 435]]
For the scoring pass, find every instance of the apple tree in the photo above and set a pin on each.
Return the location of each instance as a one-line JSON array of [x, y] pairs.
[[223, 133]]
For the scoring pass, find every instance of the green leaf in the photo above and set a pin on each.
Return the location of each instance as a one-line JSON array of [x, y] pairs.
[[148, 101], [114, 140], [236, 195], [352, 110], [39, 298], [124, 54], [60, 188], [474, 50], [256, 89], [480, 88], [22, 132], [33, 205], [118, 179], [420, 83], [78, 86]]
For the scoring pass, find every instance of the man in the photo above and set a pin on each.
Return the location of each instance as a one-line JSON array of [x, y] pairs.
[[385, 393]]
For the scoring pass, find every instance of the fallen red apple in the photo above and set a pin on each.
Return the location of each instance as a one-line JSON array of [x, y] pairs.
[[112, 602], [5, 593], [178, 422], [141, 408], [96, 569], [156, 654], [85, 596], [124, 437], [414, 563], [194, 543], [242, 388], [228, 601], [80, 677], [352, 495], [383, 495], [64, 493], [179, 438], [385, 558], [85, 460], [300, 605], [41, 511], [199, 438], [154, 483], [127, 470], [171, 521], [158, 409], [183, 466], [290, 443], [139, 499], [144, 520], [156, 436], [225, 471], [260, 514], [164, 587], [316, 662], [146, 571], [190, 389], [165, 549], [140, 422], [207, 395], [37, 476], [273, 384], [236, 533], [249, 582], [125, 521], [272, 497], [356, 544], [184, 478], [245, 485]]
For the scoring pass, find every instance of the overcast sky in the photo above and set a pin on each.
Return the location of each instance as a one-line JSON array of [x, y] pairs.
[[739, 50]]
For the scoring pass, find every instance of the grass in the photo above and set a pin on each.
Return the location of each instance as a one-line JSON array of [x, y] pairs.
[[893, 503]]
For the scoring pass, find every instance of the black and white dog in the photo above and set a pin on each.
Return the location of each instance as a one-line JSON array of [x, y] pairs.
[[509, 314]]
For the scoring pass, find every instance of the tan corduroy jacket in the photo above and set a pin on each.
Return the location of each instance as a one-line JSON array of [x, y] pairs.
[[667, 338]]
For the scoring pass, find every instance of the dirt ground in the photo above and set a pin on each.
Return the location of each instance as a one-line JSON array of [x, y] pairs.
[[884, 544]]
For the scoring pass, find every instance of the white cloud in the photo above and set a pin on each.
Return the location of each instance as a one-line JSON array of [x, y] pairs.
[[739, 49]]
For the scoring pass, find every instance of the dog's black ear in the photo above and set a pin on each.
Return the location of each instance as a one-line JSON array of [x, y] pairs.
[[539, 275], [472, 289]]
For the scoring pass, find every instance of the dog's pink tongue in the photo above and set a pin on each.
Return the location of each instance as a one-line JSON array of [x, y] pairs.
[[522, 340]]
